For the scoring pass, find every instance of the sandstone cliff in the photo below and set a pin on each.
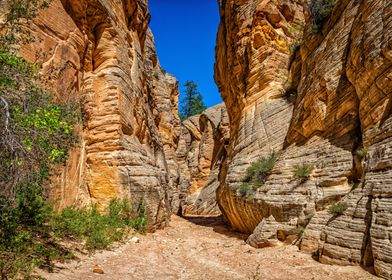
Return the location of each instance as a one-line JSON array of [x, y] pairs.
[[252, 58], [100, 54], [201, 150], [326, 104]]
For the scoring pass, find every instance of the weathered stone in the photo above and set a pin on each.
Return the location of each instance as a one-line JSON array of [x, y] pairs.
[[201, 150], [100, 54], [339, 122], [251, 69]]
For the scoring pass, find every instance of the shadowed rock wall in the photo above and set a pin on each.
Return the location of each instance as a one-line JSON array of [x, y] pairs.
[[201, 150]]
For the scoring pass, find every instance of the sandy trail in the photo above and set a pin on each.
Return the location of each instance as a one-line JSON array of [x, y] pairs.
[[202, 248]]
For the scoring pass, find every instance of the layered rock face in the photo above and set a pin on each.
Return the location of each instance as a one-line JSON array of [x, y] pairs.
[[201, 150], [338, 122], [100, 54], [251, 70]]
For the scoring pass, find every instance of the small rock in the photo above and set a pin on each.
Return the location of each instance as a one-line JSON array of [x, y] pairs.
[[135, 239], [98, 270]]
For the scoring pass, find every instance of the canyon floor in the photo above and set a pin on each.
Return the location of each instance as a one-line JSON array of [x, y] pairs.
[[201, 248]]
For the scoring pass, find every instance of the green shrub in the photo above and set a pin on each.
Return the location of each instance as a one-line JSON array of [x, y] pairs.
[[338, 208], [35, 131], [99, 230], [28, 241], [303, 171], [256, 174], [321, 10], [259, 170], [243, 189]]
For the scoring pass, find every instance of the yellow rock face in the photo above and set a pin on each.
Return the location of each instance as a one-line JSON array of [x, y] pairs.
[[100, 54]]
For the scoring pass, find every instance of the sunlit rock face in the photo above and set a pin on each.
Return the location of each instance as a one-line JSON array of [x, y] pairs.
[[201, 150], [340, 87], [100, 54], [255, 42]]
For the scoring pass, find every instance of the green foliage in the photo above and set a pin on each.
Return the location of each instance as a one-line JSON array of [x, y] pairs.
[[25, 240], [362, 152], [303, 171], [30, 231], [321, 10], [32, 207], [257, 173], [337, 209], [19, 13], [192, 103], [35, 130], [99, 230]]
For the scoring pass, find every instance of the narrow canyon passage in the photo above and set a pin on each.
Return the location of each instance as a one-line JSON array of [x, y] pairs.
[[202, 248]]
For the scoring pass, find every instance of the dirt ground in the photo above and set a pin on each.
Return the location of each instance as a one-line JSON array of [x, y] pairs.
[[201, 248]]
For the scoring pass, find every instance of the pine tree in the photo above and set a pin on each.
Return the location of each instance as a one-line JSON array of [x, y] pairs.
[[192, 103]]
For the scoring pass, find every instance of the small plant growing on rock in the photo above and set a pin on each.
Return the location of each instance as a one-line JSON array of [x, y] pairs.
[[243, 190], [321, 10], [301, 230], [247, 190], [303, 171], [338, 208], [256, 174], [259, 170], [362, 152]]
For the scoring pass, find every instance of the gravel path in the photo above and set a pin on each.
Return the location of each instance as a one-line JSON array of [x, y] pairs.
[[201, 248]]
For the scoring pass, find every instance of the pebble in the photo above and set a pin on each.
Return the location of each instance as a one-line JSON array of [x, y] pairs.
[[135, 239], [98, 270]]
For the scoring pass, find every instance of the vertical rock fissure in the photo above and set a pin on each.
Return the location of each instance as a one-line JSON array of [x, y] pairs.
[[367, 259]]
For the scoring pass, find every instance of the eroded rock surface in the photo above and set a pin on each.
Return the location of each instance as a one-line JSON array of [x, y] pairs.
[[100, 54], [336, 117], [201, 150], [254, 45]]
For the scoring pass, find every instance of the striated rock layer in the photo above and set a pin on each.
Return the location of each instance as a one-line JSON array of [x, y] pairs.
[[100, 54], [254, 45], [335, 116], [201, 150]]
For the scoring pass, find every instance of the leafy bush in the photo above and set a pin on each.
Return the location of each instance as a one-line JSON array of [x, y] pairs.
[[25, 239], [35, 131], [321, 10], [337, 209], [99, 230], [302, 171], [30, 231]]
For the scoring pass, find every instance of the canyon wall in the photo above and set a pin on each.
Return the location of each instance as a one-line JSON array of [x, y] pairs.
[[99, 54], [253, 52], [201, 150], [320, 96]]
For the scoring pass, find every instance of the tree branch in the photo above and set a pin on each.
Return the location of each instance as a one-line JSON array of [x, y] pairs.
[[7, 112]]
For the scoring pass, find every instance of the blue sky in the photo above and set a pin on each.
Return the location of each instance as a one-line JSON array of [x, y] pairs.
[[185, 34]]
